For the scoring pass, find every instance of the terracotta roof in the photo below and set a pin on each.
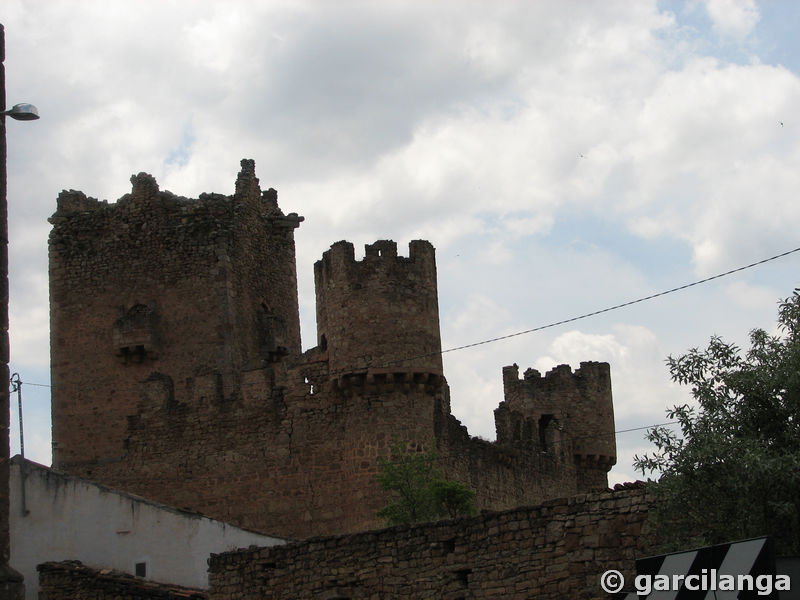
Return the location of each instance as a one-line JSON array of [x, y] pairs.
[[111, 576]]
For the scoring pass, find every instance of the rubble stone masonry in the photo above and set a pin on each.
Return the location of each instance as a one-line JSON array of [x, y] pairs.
[[549, 552], [178, 375]]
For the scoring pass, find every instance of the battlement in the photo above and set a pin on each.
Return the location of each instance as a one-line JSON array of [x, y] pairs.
[[554, 382], [340, 262], [74, 201]]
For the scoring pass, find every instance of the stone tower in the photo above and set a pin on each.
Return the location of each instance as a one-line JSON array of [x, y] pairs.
[[381, 312], [185, 293], [562, 413]]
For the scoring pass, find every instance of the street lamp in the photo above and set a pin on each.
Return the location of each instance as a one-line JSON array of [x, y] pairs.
[[22, 112], [11, 584]]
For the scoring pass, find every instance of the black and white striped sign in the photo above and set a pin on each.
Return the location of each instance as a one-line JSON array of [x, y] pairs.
[[739, 570]]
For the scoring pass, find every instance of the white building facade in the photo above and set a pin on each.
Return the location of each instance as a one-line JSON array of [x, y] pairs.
[[62, 517]]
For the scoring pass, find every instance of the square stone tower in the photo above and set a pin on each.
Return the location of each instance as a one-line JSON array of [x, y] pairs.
[[183, 295]]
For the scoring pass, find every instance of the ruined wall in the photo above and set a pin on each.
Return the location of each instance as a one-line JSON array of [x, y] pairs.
[[504, 475], [73, 580], [293, 463], [555, 437], [177, 371], [549, 552], [264, 273]]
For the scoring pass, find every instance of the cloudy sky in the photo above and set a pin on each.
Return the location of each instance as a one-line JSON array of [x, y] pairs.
[[561, 156]]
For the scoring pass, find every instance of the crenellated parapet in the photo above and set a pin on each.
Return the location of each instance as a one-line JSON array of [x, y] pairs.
[[380, 312]]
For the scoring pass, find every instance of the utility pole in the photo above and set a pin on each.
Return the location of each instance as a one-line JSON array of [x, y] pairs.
[[11, 583]]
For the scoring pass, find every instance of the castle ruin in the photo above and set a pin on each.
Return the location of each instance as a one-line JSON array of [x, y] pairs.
[[178, 373]]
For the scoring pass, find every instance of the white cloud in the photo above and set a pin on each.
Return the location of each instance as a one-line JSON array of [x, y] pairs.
[[560, 160], [640, 378], [709, 162], [431, 111], [524, 225], [498, 253], [734, 18], [754, 296], [479, 318], [629, 445]]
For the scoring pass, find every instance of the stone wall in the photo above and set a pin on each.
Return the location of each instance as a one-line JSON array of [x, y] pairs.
[[505, 476], [553, 551], [72, 580], [279, 460]]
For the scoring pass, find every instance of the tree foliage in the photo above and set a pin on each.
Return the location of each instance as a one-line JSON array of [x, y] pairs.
[[418, 491], [734, 470]]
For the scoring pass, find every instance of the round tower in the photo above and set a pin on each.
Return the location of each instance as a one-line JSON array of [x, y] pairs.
[[592, 418], [380, 313]]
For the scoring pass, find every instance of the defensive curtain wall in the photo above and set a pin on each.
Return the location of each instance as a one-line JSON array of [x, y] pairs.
[[178, 375]]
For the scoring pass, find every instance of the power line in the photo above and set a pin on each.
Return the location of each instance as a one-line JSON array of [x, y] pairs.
[[667, 424], [598, 436], [557, 323], [589, 314], [618, 306]]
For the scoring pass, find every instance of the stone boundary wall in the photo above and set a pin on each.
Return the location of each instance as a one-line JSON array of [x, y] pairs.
[[553, 551], [71, 580]]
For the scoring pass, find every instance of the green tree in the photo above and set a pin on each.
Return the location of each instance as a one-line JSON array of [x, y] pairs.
[[734, 470], [418, 491]]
